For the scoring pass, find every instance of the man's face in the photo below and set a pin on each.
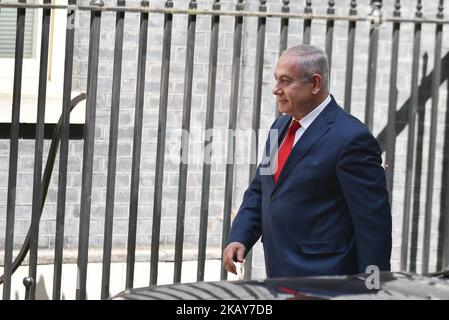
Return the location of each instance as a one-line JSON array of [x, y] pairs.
[[294, 95]]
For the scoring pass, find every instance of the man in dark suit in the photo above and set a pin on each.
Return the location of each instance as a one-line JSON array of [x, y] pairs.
[[324, 208]]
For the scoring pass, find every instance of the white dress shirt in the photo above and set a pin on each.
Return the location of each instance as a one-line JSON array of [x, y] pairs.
[[308, 119]]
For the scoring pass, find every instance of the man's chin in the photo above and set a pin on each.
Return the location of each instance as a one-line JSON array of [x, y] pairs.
[[284, 109]]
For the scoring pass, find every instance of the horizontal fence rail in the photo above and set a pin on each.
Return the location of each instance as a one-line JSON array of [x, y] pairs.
[[243, 13], [200, 69]]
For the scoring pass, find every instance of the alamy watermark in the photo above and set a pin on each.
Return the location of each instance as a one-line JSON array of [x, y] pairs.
[[372, 282], [223, 147], [71, 14]]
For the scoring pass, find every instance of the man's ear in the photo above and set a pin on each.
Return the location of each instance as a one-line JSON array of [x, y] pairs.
[[317, 83]]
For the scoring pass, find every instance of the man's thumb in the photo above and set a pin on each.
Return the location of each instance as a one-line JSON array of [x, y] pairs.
[[240, 254]]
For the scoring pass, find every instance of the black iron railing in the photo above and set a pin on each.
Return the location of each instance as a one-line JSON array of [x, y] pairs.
[[409, 115]]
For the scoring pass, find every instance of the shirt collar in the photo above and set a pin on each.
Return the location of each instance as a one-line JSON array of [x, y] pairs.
[[308, 118]]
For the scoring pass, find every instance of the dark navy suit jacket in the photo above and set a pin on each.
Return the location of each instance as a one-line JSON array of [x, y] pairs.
[[329, 213]]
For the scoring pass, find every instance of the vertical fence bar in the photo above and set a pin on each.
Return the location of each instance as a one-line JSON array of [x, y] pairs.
[[112, 155], [350, 57], [236, 59], [212, 76], [64, 149], [88, 152], [257, 100], [330, 36], [307, 23], [443, 224], [443, 235], [283, 40], [392, 101], [418, 171], [372, 63], [28, 282], [183, 166], [433, 134], [14, 150], [411, 140], [137, 146], [39, 147], [165, 70]]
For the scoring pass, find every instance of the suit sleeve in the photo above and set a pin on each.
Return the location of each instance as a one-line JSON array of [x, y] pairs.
[[362, 179], [247, 225]]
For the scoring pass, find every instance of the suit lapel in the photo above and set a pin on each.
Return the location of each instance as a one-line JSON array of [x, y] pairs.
[[284, 123], [312, 134], [281, 126]]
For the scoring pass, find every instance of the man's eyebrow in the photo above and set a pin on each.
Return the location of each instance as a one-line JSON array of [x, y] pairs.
[[283, 76]]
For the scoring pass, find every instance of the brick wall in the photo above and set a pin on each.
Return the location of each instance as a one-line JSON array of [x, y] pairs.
[[150, 121]]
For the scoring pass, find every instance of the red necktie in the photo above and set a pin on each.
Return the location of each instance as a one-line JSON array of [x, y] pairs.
[[286, 148]]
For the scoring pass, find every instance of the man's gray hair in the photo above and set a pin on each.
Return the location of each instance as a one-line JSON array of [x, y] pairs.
[[312, 60]]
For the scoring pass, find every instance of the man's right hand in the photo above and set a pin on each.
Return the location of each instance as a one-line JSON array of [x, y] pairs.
[[234, 252]]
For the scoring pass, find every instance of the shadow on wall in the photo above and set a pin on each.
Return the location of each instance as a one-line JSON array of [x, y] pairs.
[[41, 290], [424, 94]]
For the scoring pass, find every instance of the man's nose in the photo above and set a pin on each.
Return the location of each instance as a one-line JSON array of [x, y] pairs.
[[276, 91]]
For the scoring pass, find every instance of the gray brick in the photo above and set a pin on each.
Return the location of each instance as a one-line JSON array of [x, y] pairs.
[[96, 241], [144, 227], [168, 226], [98, 195], [4, 163], [73, 196], [4, 148], [213, 240], [25, 179], [24, 196], [126, 132], [122, 196], [72, 242], [145, 196], [21, 227]]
